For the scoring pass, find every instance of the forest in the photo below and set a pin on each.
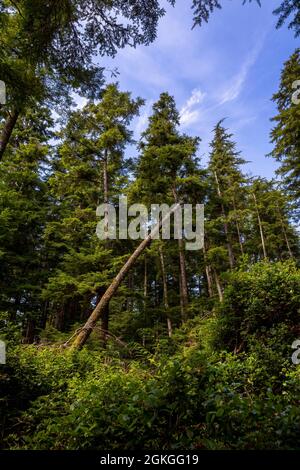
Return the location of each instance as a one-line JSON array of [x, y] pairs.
[[127, 344]]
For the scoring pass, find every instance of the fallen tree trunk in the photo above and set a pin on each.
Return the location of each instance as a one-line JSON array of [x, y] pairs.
[[90, 324]]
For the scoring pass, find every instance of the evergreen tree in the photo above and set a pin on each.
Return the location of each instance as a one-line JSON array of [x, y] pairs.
[[166, 170], [225, 195], [89, 170], [24, 206], [287, 8], [47, 48], [270, 234], [286, 134]]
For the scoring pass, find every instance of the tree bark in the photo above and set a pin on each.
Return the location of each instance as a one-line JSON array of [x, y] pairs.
[[105, 317], [129, 303], [105, 189], [86, 330], [7, 130], [208, 274], [219, 287], [145, 283], [60, 319], [260, 227], [238, 228], [284, 233], [184, 296], [145, 295], [229, 247], [165, 290], [29, 332]]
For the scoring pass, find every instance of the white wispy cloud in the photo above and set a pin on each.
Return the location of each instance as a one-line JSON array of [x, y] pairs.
[[202, 108], [188, 113], [209, 71], [235, 86]]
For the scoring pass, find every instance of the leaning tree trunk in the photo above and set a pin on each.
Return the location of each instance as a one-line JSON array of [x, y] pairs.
[[165, 290], [86, 330], [7, 130]]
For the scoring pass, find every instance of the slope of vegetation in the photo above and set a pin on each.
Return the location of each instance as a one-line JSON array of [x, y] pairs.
[[190, 391]]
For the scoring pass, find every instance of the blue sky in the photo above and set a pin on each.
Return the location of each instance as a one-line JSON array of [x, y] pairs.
[[229, 68]]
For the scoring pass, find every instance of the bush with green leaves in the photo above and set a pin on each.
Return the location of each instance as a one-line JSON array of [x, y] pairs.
[[255, 301], [110, 405], [31, 372], [196, 390], [190, 400]]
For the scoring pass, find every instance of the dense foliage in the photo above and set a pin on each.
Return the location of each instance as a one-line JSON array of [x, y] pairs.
[[186, 393], [194, 347]]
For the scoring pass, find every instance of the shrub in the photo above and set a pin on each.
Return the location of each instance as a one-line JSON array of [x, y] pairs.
[[266, 295]]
